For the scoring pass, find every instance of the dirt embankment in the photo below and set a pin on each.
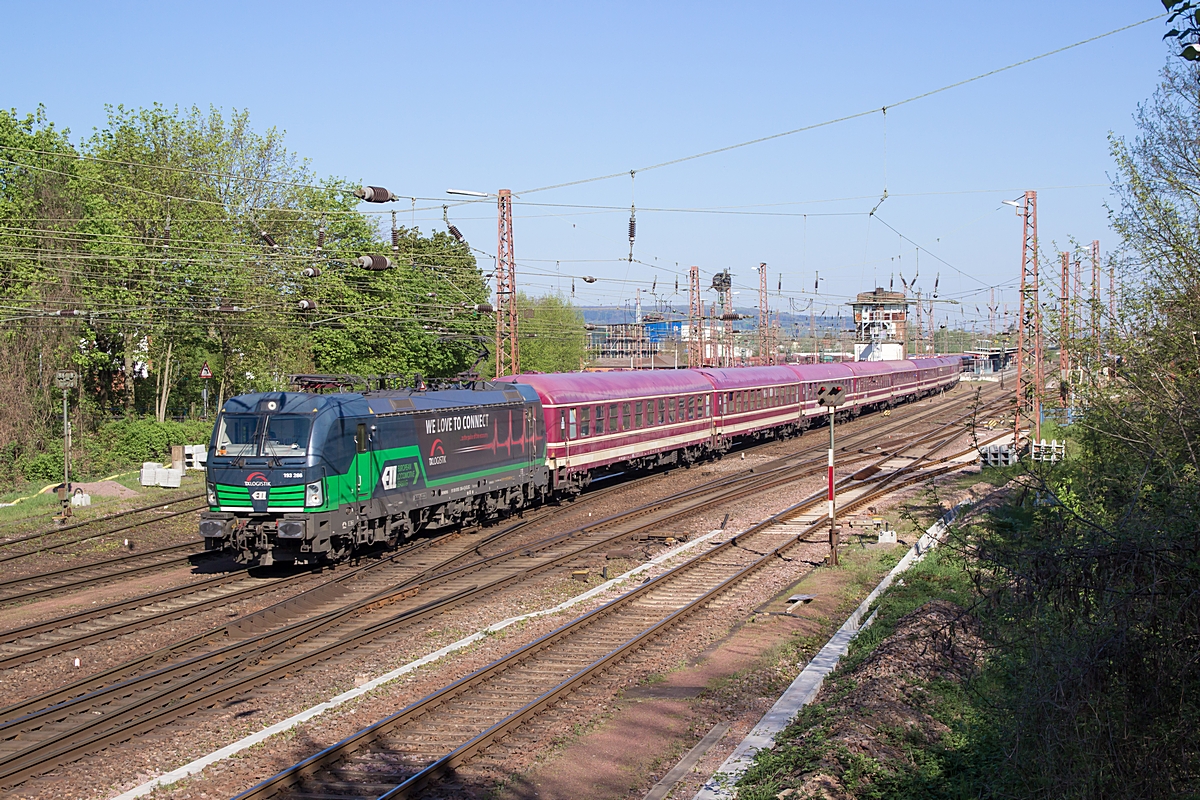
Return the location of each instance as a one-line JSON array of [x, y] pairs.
[[882, 708]]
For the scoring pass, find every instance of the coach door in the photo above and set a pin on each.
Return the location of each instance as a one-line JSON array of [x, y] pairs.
[[531, 438]]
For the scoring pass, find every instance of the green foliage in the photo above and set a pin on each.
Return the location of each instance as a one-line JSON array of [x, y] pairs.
[[181, 236], [552, 337]]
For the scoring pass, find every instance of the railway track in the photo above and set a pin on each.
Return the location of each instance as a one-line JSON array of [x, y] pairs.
[[73, 578], [358, 612], [43, 541], [431, 737]]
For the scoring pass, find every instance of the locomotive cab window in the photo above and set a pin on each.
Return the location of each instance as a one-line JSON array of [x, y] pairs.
[[238, 434], [360, 438]]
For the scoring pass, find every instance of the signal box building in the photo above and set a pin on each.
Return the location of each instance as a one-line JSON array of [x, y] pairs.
[[880, 325]]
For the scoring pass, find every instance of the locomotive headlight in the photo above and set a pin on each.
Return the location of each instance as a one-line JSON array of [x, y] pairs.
[[212, 494], [313, 496]]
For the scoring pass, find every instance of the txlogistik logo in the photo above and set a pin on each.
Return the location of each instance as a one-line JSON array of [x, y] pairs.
[[257, 479], [437, 453]]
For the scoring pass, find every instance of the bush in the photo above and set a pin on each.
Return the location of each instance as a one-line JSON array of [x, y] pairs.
[[116, 446]]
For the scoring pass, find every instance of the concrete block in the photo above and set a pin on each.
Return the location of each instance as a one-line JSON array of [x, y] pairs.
[[149, 476], [81, 499], [169, 478]]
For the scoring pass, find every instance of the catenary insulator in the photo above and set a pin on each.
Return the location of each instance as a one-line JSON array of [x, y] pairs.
[[69, 312], [457, 234], [588, 279], [310, 272], [307, 305], [374, 262], [269, 240], [321, 238], [374, 194], [484, 308], [395, 241], [632, 228], [167, 236]]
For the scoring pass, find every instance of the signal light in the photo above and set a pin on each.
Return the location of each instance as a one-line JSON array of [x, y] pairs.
[[310, 272], [374, 194], [307, 305], [374, 263]]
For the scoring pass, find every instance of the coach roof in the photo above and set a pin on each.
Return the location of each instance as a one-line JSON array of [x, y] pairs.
[[580, 388]]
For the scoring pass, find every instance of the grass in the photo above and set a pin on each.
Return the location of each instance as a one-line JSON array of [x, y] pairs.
[[955, 767]]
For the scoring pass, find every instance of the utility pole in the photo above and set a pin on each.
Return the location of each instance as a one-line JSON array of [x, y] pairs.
[[1064, 334], [1112, 298], [1030, 381], [507, 360], [1095, 318], [695, 320], [764, 319]]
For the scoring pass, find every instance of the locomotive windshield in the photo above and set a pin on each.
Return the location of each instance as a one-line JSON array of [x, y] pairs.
[[261, 435]]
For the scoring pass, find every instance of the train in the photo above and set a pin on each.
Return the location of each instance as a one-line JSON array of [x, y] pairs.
[[307, 478]]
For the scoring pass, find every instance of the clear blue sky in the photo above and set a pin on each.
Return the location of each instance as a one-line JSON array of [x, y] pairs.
[[421, 97]]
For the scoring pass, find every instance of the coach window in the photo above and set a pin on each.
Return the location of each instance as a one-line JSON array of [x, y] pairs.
[[624, 416], [682, 414], [691, 408], [600, 414], [670, 409], [707, 406], [637, 414], [585, 421], [573, 431]]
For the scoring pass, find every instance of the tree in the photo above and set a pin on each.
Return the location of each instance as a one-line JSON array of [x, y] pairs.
[[551, 334], [1095, 574]]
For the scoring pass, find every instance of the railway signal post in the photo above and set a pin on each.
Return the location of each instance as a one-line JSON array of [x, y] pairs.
[[66, 379], [831, 397]]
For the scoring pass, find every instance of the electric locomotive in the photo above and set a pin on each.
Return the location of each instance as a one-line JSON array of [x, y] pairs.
[[312, 478]]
